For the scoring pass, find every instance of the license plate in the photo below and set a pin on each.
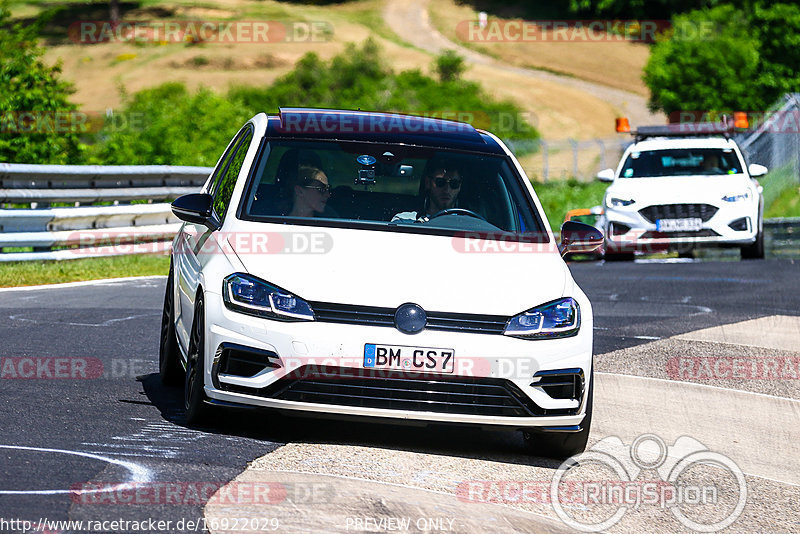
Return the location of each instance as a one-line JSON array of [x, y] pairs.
[[404, 358], [679, 225]]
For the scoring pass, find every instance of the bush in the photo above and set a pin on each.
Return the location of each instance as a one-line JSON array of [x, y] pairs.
[[180, 128], [726, 59], [449, 66], [32, 91]]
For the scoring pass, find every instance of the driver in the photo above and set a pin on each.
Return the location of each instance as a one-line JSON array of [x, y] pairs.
[[441, 187]]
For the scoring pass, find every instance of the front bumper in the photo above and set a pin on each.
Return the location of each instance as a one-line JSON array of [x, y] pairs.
[[731, 225], [317, 367]]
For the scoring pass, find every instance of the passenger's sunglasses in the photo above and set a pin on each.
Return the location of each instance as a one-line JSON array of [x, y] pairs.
[[455, 183], [321, 189]]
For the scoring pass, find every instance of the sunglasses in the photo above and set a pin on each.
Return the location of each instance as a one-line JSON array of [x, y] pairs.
[[455, 183], [321, 189]]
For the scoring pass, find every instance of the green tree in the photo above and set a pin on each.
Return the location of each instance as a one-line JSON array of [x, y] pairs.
[[167, 125], [708, 61], [726, 59], [36, 120], [777, 28], [449, 66], [170, 125]]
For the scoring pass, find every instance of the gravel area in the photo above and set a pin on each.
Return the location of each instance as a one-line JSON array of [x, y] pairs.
[[770, 507], [769, 371]]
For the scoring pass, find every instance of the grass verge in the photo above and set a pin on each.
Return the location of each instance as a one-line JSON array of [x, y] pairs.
[[29, 273], [559, 197], [781, 194]]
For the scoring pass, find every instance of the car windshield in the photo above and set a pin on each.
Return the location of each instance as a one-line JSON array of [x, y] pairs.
[[388, 187], [681, 162]]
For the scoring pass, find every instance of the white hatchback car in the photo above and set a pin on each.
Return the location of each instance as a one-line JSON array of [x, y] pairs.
[[674, 190], [366, 264]]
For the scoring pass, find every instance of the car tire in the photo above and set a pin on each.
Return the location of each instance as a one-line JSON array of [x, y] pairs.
[[194, 396], [561, 445], [618, 256], [169, 356], [756, 250]]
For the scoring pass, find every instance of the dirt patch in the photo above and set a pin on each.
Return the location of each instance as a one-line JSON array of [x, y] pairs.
[[264, 61], [616, 64]]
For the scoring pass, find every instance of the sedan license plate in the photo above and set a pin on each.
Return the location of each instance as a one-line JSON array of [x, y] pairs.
[[403, 358], [679, 225]]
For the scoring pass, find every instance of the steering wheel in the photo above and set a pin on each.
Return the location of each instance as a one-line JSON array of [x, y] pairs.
[[457, 211]]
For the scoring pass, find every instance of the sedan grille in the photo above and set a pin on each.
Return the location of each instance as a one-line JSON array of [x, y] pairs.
[[707, 232], [398, 390], [327, 312], [678, 211]]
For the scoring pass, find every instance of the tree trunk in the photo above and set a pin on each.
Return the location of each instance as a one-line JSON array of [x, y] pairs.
[[114, 11]]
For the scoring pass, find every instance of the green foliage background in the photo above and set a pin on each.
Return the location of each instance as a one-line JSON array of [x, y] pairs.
[[29, 85], [726, 59], [177, 127]]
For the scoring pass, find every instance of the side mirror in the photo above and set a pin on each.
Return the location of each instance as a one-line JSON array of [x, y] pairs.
[[580, 238], [606, 175], [196, 208], [757, 170]]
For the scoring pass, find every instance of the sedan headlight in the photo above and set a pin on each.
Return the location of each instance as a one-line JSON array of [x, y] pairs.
[[620, 202], [247, 294], [560, 318], [736, 198]]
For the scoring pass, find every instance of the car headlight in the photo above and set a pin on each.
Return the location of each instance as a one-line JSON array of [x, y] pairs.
[[619, 202], [560, 318], [736, 198], [247, 294]]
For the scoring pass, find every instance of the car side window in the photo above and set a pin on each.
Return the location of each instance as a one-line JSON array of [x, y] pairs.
[[224, 161], [227, 180]]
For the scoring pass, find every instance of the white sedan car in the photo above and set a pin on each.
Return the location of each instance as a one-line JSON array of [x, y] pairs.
[[386, 266], [681, 192]]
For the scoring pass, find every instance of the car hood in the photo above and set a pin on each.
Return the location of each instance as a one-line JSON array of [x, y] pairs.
[[386, 269], [678, 189]]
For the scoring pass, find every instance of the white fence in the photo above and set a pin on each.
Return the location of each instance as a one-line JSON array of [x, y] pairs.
[[28, 221]]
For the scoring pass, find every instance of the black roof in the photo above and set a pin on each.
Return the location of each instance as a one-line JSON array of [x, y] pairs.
[[693, 129], [375, 127]]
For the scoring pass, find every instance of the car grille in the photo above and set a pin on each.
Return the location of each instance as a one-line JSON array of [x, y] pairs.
[[678, 211], [374, 316], [667, 235], [398, 390]]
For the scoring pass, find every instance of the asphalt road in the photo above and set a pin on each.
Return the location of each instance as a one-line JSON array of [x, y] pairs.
[[119, 425]]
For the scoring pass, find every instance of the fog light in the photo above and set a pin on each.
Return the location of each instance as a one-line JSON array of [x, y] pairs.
[[740, 225], [619, 229]]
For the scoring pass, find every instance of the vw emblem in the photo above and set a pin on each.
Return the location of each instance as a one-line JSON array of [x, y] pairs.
[[410, 318]]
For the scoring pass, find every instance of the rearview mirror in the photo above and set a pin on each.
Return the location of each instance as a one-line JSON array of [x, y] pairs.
[[196, 208], [606, 175], [580, 238], [757, 170]]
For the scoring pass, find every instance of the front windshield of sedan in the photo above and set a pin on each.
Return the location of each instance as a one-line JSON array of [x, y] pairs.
[[681, 162], [391, 187]]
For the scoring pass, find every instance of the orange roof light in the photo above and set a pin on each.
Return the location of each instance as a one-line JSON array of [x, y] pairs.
[[623, 126], [740, 120]]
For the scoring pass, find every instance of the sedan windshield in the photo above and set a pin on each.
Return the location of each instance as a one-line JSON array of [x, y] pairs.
[[681, 162], [388, 187]]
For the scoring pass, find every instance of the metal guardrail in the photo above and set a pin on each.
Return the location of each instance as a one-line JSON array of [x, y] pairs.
[[83, 231]]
